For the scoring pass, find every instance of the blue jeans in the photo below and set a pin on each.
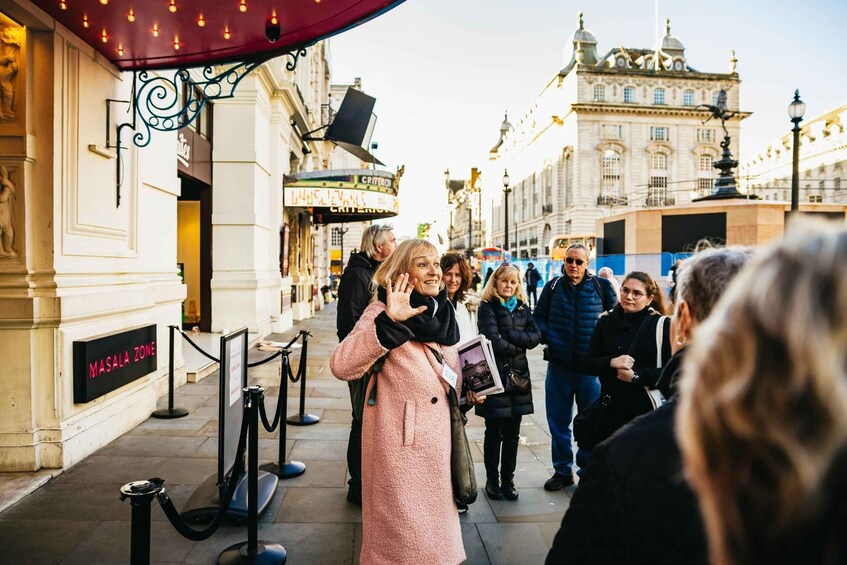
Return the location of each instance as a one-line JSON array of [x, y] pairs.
[[561, 386]]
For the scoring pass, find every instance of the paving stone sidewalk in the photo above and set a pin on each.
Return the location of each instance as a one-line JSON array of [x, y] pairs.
[[78, 518]]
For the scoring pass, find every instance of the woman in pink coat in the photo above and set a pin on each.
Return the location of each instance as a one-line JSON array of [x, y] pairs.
[[408, 511]]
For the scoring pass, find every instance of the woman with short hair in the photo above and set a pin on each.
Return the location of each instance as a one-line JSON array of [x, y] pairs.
[[408, 510], [763, 415]]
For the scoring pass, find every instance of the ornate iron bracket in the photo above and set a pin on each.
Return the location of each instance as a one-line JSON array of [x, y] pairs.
[[158, 102]]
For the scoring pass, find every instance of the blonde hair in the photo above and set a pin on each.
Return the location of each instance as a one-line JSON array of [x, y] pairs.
[[504, 270], [400, 261], [763, 411]]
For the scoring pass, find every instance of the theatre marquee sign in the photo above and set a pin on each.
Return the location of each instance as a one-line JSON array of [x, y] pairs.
[[344, 196]]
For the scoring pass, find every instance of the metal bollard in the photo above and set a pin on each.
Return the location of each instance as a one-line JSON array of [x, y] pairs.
[[253, 551], [140, 495], [171, 412], [303, 419]]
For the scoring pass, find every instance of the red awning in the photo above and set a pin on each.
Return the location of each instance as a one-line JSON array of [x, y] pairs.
[[160, 34]]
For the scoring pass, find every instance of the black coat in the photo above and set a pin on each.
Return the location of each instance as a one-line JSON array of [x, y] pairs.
[[354, 292], [633, 505], [613, 336], [511, 334]]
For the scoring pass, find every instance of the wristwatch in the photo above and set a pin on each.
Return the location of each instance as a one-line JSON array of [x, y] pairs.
[[635, 378]]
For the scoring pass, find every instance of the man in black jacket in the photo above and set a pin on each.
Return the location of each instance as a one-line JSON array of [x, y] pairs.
[[354, 295]]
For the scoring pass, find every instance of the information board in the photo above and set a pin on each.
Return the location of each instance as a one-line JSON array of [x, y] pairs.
[[233, 379]]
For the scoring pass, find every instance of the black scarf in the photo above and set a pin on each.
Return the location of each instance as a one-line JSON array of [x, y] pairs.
[[441, 328]]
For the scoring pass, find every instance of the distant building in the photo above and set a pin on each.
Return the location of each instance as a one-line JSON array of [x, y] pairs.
[[608, 132], [822, 163]]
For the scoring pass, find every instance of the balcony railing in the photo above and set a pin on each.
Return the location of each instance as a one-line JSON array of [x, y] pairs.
[[656, 201], [611, 200]]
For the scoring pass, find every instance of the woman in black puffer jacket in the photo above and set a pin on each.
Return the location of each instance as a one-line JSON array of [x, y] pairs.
[[505, 319]]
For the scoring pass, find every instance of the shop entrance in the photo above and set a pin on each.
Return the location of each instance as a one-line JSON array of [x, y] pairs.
[[194, 252]]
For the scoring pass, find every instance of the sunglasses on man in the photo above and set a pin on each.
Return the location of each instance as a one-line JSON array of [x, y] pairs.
[[571, 261]]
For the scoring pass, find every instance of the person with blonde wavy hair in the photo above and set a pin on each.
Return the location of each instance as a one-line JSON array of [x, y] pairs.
[[763, 415], [506, 320]]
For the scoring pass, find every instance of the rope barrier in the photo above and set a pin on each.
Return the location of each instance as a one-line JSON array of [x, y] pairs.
[[280, 401], [179, 524], [197, 347]]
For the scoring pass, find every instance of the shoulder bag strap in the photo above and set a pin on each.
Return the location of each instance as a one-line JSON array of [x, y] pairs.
[[373, 372], [602, 294], [660, 336]]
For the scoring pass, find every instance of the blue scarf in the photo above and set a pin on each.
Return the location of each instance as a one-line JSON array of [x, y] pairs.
[[511, 303]]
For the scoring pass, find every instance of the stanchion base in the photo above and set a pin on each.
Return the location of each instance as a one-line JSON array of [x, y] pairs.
[[204, 502], [287, 470], [303, 419], [266, 554], [166, 414]]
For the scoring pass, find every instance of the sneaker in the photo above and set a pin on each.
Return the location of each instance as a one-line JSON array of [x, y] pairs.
[[492, 489], [509, 491], [461, 507], [558, 481]]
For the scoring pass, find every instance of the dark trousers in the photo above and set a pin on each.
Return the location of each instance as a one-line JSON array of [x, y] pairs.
[[354, 457], [505, 432], [531, 298]]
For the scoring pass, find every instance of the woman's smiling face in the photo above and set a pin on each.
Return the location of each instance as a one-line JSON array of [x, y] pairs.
[[426, 271], [452, 280]]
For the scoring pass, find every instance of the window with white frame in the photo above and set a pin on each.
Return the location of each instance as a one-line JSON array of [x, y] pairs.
[[658, 190], [611, 178], [337, 237], [629, 94], [816, 198], [611, 131], [659, 96], [705, 175], [715, 96], [599, 93], [688, 97], [705, 135], [658, 133]]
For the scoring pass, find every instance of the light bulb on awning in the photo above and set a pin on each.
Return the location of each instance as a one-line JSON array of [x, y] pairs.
[[176, 43], [155, 30], [131, 15], [85, 20], [201, 21], [172, 6], [243, 6], [103, 37], [227, 35]]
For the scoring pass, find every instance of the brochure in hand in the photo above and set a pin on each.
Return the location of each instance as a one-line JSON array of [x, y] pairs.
[[479, 369]]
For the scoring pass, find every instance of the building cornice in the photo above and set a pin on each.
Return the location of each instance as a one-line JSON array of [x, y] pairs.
[[688, 111], [646, 73]]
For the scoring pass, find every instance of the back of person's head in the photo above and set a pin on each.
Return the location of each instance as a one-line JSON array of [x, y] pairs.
[[375, 234], [400, 261], [703, 278], [657, 297], [447, 262], [606, 273], [763, 416], [503, 271], [530, 265]]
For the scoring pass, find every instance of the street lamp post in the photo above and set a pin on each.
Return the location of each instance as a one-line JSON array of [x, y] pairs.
[[506, 191], [450, 205], [470, 226], [795, 111]]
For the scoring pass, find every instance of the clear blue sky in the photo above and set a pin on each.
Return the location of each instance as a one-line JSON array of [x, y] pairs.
[[444, 71]]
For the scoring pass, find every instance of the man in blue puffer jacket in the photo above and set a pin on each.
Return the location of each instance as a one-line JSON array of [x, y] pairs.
[[566, 313]]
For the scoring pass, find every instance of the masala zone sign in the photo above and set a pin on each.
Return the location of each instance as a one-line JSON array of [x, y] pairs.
[[105, 363]]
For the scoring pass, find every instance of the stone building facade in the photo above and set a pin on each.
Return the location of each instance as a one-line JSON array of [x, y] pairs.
[[620, 130], [822, 163]]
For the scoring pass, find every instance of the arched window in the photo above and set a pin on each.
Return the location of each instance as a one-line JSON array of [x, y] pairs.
[[611, 174], [599, 93]]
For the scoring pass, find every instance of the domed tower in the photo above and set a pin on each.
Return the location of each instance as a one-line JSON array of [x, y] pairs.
[[585, 40], [672, 47]]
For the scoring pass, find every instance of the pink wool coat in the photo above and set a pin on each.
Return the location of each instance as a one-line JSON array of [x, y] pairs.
[[408, 512]]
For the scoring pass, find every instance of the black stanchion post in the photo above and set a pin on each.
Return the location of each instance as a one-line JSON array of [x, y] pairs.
[[253, 551], [302, 419], [284, 469], [171, 412], [140, 495]]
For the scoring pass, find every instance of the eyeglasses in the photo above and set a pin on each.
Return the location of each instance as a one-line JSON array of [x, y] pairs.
[[636, 294], [571, 260]]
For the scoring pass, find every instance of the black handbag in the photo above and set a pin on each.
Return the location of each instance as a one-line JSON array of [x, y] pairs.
[[518, 382], [590, 426], [462, 470]]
